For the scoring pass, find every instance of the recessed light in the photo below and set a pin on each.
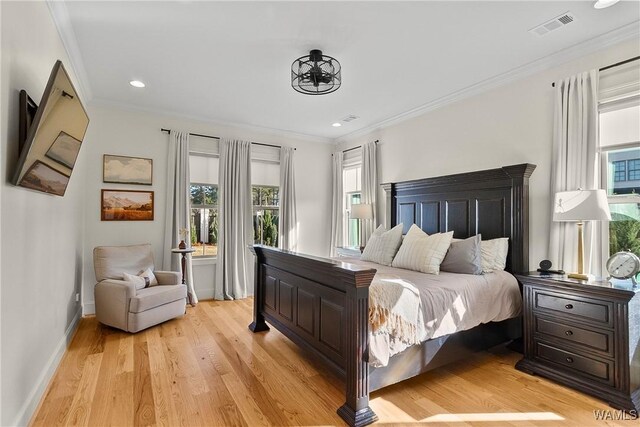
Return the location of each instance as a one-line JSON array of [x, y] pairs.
[[136, 83], [601, 4], [336, 125]]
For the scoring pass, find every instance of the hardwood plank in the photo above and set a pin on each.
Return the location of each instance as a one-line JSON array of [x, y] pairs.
[[143, 410], [81, 405], [207, 368]]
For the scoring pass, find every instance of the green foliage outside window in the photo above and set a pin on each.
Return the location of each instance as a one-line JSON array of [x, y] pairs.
[[623, 236], [265, 215]]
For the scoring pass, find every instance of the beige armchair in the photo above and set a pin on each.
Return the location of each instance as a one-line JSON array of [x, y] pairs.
[[120, 304]]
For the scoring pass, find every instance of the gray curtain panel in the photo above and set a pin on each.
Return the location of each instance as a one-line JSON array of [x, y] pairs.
[[575, 155], [288, 229], [369, 186], [235, 232], [337, 204], [178, 206]]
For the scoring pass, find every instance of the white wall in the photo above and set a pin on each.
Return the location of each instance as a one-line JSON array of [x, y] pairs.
[[508, 125], [135, 133], [42, 235]]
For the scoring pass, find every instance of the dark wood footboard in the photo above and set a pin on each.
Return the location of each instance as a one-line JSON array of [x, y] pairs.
[[323, 306]]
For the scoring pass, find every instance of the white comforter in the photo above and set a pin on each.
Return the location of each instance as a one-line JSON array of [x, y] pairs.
[[449, 302]]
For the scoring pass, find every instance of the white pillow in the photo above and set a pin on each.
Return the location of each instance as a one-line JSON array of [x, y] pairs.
[[383, 245], [138, 281], [422, 252], [494, 254], [143, 280]]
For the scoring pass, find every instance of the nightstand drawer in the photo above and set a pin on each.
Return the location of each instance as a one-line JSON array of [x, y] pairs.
[[574, 308], [594, 340], [591, 368]]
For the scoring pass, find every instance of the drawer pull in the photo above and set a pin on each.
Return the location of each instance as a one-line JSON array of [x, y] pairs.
[[568, 333], [568, 306], [569, 359]]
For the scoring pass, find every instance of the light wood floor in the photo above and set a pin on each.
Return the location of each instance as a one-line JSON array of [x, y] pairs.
[[207, 368]]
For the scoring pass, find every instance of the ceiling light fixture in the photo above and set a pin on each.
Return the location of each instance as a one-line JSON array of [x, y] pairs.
[[336, 125], [601, 4], [316, 74], [136, 83]]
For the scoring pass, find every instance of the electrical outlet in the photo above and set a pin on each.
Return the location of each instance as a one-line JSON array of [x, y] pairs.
[[77, 297]]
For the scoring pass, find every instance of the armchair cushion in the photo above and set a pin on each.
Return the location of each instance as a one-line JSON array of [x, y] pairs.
[[156, 296], [110, 262]]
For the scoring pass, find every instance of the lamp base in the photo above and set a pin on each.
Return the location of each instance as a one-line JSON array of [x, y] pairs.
[[580, 276]]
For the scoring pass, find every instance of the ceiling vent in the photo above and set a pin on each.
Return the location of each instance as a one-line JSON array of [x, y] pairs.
[[557, 22], [349, 118]]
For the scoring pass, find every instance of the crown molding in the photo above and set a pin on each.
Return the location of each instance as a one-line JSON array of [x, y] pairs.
[[60, 15], [100, 102], [628, 32]]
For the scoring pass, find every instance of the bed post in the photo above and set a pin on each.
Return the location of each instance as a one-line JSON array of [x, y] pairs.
[[389, 209], [519, 175], [356, 410], [258, 324]]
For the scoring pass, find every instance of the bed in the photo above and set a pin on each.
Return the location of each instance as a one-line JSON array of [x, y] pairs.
[[323, 305]]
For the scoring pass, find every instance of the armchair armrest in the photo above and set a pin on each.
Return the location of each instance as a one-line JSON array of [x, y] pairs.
[[112, 302], [168, 277]]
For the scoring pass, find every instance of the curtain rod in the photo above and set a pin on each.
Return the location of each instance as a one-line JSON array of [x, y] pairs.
[[355, 148], [617, 64], [217, 137]]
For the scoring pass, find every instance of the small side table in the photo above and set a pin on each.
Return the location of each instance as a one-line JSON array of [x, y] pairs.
[[184, 253]]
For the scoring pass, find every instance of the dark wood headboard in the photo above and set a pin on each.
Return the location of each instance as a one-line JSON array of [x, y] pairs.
[[493, 202]]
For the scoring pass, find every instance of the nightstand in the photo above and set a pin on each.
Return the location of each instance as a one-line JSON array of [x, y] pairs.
[[585, 335], [348, 251]]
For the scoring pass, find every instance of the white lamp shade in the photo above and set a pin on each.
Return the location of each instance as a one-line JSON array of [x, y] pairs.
[[581, 205], [362, 211]]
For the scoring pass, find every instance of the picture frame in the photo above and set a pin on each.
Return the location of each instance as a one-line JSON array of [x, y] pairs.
[[64, 150], [126, 205], [44, 178], [118, 169]]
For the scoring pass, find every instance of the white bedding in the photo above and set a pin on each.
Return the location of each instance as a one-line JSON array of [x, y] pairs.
[[450, 302]]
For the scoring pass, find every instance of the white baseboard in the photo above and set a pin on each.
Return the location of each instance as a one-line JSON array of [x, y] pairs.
[[89, 308], [204, 294], [36, 394]]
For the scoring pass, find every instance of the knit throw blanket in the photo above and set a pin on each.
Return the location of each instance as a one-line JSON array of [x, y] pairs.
[[395, 309]]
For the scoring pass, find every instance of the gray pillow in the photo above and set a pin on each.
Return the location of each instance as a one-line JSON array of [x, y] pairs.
[[464, 256]]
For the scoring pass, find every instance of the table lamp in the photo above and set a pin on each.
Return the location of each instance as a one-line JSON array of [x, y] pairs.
[[360, 212], [579, 206]]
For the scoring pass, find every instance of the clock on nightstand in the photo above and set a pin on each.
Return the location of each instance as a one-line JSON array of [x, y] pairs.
[[585, 335], [624, 265]]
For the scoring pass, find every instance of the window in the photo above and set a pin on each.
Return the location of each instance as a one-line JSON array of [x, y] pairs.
[[204, 219], [619, 170], [634, 169], [204, 167], [266, 214], [352, 187], [620, 157]]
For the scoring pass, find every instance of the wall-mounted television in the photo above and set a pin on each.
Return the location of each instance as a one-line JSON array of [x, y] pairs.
[[51, 135]]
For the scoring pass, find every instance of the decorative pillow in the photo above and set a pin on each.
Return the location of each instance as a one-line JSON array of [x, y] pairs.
[[422, 252], [383, 245], [139, 281], [464, 256], [494, 254], [142, 280]]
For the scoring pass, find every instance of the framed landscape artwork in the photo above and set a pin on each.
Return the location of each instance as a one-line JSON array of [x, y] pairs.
[[127, 170], [64, 150], [126, 205], [44, 178]]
